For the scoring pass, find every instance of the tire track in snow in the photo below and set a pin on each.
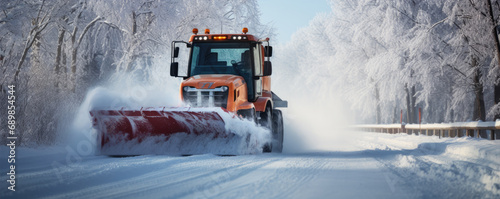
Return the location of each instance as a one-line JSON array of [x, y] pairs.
[[189, 172], [219, 182], [93, 171], [273, 175]]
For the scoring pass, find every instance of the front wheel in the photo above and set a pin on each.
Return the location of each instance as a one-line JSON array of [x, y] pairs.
[[248, 114]]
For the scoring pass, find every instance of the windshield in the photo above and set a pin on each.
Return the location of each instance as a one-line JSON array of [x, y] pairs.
[[223, 58]]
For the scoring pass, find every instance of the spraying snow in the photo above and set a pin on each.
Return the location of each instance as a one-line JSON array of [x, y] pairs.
[[317, 118]]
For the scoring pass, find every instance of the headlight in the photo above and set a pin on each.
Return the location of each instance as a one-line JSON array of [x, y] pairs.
[[185, 88], [224, 88]]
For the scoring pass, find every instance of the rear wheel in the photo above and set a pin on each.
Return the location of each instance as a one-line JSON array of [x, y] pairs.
[[266, 120], [277, 144]]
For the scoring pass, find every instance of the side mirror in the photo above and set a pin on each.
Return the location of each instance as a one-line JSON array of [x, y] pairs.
[[268, 68], [174, 69], [268, 51], [176, 52]]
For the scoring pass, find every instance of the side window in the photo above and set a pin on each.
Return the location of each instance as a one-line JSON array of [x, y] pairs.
[[194, 59]]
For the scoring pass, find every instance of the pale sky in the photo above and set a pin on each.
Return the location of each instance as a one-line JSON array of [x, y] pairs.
[[287, 16]]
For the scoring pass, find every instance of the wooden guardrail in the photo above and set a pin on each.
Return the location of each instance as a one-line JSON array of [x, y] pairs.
[[487, 130]]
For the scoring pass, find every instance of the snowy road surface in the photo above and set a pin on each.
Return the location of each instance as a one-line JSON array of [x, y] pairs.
[[367, 165]]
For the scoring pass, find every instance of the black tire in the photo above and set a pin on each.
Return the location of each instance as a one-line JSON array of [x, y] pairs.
[[266, 121], [278, 131]]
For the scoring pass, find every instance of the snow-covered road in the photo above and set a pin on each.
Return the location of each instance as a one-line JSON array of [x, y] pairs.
[[373, 166]]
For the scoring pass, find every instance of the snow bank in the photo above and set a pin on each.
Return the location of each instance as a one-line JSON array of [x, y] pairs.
[[431, 157], [465, 147], [469, 148], [474, 150]]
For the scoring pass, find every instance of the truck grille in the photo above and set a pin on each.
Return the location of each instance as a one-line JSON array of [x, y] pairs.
[[205, 97]]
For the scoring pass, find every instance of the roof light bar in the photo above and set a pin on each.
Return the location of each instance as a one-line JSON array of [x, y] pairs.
[[219, 37]]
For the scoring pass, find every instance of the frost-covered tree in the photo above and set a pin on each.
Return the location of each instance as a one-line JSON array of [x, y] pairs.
[[390, 55]]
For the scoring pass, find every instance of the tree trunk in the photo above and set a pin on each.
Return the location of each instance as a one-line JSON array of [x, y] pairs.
[[479, 108], [134, 23], [377, 100], [414, 111], [410, 104], [450, 105], [497, 48], [58, 64], [395, 115], [131, 57], [27, 47]]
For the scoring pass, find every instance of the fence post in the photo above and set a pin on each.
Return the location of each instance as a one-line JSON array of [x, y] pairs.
[[482, 133], [470, 133]]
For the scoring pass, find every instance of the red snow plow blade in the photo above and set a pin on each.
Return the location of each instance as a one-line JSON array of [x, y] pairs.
[[178, 131]]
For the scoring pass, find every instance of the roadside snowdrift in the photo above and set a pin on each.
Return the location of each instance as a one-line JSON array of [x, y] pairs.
[[463, 161]]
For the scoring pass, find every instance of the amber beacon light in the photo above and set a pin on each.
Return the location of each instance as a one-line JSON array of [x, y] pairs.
[[245, 30], [195, 31]]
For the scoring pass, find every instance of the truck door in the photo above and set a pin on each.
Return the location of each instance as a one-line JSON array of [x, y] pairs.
[[257, 55]]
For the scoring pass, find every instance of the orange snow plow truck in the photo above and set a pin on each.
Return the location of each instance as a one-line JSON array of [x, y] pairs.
[[226, 74]]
